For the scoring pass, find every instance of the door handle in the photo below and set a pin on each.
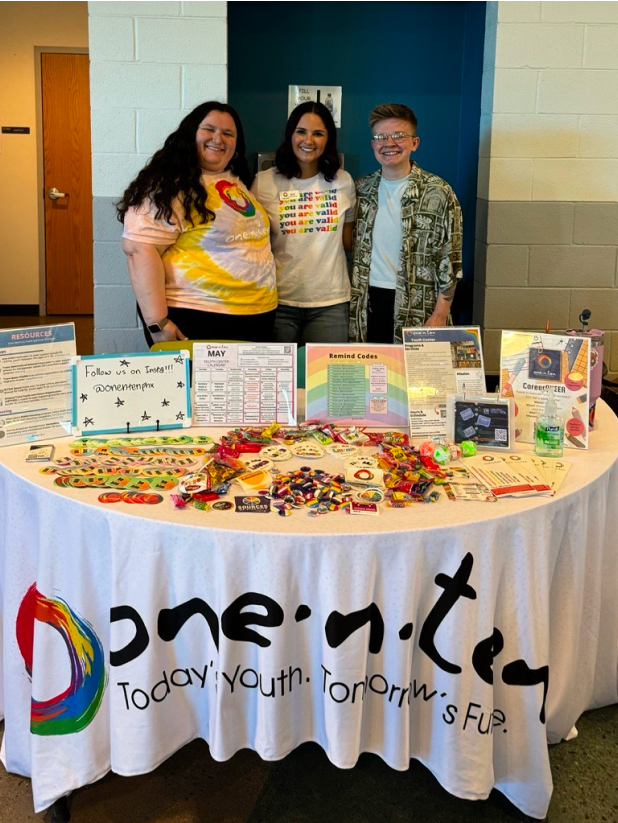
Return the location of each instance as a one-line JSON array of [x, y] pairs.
[[54, 194]]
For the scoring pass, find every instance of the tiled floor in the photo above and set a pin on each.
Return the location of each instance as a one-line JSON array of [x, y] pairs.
[[305, 787]]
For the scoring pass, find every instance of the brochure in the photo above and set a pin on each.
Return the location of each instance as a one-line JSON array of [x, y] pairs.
[[35, 383], [440, 361], [531, 365]]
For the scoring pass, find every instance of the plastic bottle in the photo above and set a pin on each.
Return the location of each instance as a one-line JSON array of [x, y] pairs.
[[329, 102], [549, 430]]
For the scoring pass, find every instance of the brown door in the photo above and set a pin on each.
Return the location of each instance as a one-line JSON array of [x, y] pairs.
[[68, 183]]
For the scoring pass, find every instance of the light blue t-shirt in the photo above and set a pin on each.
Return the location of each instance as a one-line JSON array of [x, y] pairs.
[[387, 234]]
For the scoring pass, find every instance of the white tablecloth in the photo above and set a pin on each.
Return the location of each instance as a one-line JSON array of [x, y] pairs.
[[410, 635]]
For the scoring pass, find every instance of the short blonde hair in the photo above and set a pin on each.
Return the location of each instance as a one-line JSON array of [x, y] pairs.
[[392, 111]]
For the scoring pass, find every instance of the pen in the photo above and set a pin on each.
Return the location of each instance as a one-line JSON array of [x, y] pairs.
[[508, 386]]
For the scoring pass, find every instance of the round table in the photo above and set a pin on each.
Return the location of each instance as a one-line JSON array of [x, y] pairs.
[[465, 635]]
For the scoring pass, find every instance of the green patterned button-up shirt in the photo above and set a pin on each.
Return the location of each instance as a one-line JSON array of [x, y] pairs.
[[430, 257]]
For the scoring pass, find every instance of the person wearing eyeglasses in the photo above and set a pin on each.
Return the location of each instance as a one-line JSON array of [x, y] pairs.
[[407, 237]]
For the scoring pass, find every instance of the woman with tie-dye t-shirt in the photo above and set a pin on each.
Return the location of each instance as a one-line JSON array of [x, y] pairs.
[[196, 240]]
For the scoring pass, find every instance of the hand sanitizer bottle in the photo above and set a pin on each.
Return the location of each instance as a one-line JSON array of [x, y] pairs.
[[549, 430]]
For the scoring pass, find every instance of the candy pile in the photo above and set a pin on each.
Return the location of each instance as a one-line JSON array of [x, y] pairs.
[[132, 469], [314, 489]]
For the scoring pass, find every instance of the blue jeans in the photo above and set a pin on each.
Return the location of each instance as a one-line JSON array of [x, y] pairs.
[[326, 324]]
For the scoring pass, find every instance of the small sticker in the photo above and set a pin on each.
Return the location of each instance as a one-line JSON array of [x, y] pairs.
[[257, 462], [276, 453], [466, 414], [363, 508], [483, 421], [252, 505], [310, 450], [223, 505]]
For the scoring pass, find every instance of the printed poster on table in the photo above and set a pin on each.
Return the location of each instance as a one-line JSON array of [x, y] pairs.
[[35, 383], [146, 391], [531, 364], [440, 361], [361, 385], [239, 384]]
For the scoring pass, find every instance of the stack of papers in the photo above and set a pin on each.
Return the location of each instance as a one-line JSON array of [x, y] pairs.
[[518, 475]]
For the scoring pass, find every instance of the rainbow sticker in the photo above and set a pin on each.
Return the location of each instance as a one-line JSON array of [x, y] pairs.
[[73, 709], [235, 197]]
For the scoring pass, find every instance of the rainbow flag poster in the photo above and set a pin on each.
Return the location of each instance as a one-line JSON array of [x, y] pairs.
[[356, 384]]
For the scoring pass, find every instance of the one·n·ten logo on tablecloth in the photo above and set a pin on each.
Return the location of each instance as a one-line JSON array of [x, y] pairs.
[[73, 709]]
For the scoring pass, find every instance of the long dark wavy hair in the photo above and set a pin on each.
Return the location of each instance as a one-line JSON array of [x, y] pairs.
[[174, 170], [328, 164]]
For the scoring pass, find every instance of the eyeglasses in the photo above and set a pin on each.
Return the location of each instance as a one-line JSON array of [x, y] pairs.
[[396, 136]]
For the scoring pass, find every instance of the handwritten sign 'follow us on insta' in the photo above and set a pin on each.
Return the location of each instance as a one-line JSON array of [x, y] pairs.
[[147, 391]]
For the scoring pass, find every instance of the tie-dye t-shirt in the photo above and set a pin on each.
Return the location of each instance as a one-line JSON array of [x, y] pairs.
[[223, 266]]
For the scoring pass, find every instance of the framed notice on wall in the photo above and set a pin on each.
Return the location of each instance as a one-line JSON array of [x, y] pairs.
[[329, 95]]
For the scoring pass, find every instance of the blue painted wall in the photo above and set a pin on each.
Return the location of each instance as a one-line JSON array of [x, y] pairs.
[[427, 55]]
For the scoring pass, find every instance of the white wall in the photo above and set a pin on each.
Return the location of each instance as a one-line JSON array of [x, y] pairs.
[[151, 63], [548, 173], [22, 27]]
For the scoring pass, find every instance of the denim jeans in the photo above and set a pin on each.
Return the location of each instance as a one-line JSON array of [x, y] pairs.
[[326, 324]]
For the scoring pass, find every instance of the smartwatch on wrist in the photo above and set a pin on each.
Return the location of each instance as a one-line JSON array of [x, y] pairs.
[[155, 328]]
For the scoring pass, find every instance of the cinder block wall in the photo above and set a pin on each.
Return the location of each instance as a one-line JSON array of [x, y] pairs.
[[151, 63], [547, 221]]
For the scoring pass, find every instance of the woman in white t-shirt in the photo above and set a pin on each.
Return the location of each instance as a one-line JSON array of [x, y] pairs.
[[310, 202], [197, 241]]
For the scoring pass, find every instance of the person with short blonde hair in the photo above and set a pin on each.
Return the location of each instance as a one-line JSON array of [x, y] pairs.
[[407, 237]]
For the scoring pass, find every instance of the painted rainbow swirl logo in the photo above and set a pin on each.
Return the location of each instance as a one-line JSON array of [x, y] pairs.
[[235, 197], [73, 709]]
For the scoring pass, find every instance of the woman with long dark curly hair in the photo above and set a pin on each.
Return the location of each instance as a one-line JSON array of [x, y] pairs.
[[196, 240], [310, 202]]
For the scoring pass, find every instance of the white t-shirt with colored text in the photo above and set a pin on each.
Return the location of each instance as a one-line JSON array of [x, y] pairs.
[[306, 222]]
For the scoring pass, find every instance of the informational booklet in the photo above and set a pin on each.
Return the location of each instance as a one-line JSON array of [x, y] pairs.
[[144, 391], [358, 384], [440, 361], [35, 383], [506, 478], [236, 384], [531, 366]]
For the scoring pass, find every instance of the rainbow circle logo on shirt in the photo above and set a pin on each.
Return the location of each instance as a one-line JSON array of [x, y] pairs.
[[235, 197], [74, 708]]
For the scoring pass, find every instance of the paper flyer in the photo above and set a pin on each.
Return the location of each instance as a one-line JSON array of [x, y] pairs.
[[359, 384], [440, 361], [145, 391], [35, 383], [238, 384], [531, 364]]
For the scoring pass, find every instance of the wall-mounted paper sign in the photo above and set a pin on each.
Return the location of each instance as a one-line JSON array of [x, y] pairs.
[[440, 361], [35, 383], [362, 385], [147, 391], [329, 95]]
